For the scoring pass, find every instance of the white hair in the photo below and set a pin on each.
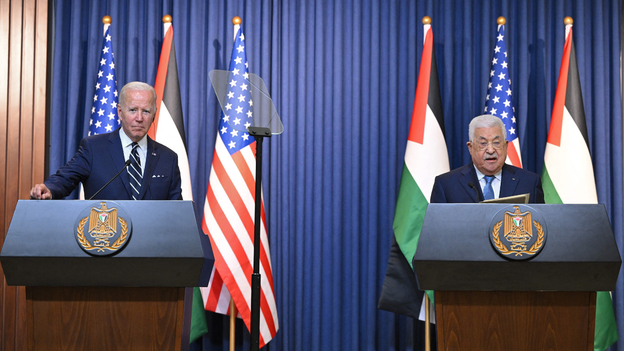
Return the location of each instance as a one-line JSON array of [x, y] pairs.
[[485, 121], [137, 86]]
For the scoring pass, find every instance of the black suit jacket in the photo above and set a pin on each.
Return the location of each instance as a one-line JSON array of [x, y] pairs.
[[100, 157], [453, 186]]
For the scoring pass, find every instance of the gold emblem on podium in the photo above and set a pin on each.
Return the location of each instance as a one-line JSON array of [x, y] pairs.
[[519, 240], [106, 232]]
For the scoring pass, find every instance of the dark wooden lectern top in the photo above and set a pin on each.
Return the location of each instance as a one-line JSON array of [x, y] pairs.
[[164, 249], [131, 300], [454, 251], [487, 302]]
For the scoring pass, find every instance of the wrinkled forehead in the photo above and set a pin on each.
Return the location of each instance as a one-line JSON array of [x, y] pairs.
[[490, 133], [138, 99]]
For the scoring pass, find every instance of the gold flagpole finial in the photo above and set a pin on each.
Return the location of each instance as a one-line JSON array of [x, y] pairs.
[[236, 20], [107, 19], [568, 20], [501, 20], [426, 20], [167, 19]]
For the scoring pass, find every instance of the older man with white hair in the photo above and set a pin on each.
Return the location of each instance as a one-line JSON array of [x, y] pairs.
[[125, 164], [487, 176]]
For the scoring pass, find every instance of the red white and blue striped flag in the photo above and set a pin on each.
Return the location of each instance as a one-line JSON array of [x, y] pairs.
[[104, 117], [230, 206], [498, 101]]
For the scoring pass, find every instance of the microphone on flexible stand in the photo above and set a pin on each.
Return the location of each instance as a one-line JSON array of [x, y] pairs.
[[471, 184], [113, 178]]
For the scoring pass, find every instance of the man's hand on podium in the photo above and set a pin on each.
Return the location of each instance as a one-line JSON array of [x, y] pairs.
[[40, 192]]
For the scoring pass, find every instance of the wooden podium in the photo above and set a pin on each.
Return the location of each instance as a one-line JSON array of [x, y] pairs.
[[484, 301], [132, 300]]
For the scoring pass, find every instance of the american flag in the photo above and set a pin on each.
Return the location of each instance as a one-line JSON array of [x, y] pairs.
[[498, 101], [229, 208], [104, 117]]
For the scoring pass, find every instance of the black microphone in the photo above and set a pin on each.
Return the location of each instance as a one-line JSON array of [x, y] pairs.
[[113, 178], [471, 184]]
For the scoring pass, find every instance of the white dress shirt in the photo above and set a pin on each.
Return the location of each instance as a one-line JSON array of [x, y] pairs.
[[126, 145], [496, 183]]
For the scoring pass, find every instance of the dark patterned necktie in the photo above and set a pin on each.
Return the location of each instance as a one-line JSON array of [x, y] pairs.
[[136, 175], [488, 191]]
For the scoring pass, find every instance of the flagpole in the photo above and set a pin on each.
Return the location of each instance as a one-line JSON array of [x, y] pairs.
[[236, 21], [427, 325], [106, 20], [232, 325], [167, 19], [568, 21], [426, 21]]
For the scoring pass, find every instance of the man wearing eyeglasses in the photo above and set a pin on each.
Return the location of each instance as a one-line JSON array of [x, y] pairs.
[[487, 176]]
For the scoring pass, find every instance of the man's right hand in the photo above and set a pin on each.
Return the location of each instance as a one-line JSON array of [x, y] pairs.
[[40, 192]]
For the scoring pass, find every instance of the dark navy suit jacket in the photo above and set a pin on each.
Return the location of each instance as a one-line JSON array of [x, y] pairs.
[[100, 157], [452, 187]]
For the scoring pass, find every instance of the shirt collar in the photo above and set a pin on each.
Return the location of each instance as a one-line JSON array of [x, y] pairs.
[[125, 140], [481, 175]]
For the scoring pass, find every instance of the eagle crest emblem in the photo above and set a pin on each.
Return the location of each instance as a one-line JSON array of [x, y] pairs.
[[518, 228], [104, 231], [522, 236]]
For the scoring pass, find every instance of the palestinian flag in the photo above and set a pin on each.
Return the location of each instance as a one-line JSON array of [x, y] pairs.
[[568, 175], [426, 157], [168, 129], [168, 126]]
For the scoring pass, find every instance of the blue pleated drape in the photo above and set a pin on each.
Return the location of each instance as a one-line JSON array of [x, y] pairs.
[[343, 75]]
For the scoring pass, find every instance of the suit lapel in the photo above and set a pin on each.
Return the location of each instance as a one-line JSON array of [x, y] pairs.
[[151, 160], [470, 176], [117, 155], [510, 182]]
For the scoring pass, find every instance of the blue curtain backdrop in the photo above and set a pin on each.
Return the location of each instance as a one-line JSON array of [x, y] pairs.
[[343, 76]]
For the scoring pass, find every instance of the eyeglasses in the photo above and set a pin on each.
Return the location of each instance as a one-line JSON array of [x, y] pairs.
[[482, 145]]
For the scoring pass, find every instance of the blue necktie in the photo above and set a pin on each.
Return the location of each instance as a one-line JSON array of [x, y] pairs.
[[136, 175], [488, 191]]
